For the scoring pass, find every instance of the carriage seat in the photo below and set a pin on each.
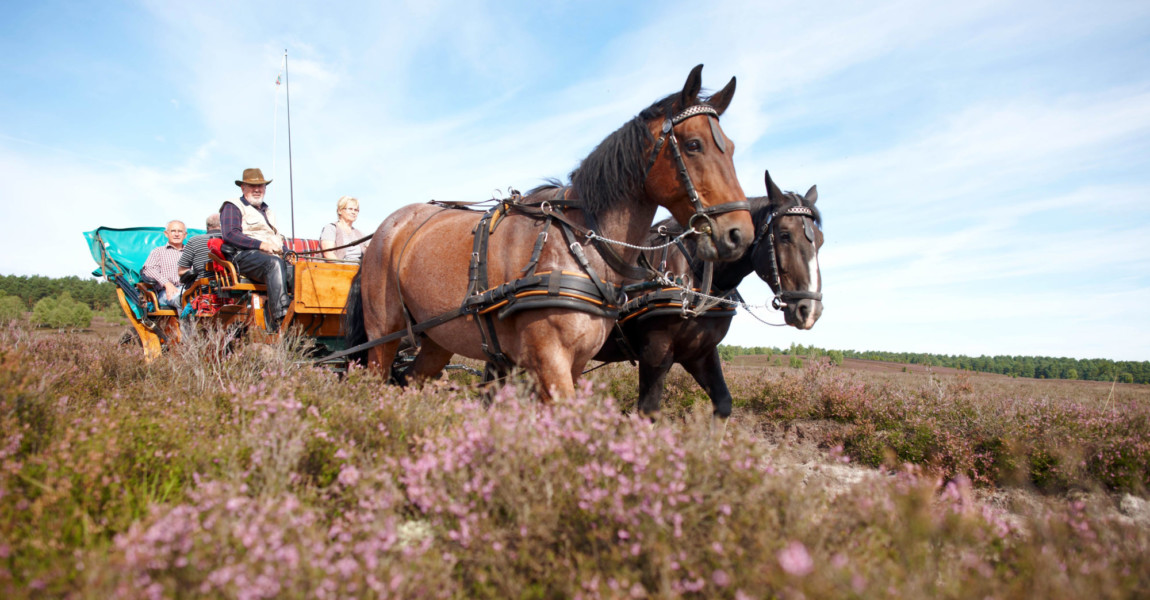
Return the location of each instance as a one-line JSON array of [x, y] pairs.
[[149, 299], [229, 278]]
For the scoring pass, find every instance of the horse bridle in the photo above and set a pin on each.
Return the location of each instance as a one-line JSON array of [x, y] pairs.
[[703, 213], [783, 297]]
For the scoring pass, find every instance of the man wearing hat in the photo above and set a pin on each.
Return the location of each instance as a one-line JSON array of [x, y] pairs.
[[249, 226]]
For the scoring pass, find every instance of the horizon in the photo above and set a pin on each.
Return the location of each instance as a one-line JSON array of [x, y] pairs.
[[983, 170]]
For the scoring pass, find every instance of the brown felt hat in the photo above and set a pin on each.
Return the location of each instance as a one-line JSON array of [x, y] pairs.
[[253, 177]]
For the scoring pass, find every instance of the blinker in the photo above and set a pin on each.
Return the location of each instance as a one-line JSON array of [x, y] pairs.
[[808, 230], [717, 134]]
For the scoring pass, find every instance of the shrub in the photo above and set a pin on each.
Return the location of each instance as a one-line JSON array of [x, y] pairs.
[[11, 308], [253, 475], [61, 312]]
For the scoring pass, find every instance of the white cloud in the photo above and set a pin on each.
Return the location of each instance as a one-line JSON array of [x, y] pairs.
[[985, 221]]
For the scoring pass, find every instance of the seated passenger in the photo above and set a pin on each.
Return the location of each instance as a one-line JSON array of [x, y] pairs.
[[341, 232], [196, 256], [162, 265], [255, 245]]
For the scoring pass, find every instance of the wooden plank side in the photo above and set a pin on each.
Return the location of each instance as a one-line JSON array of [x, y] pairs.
[[321, 287]]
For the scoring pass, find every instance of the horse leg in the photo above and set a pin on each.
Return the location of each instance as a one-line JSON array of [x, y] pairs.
[[708, 372], [430, 361], [553, 366], [555, 380], [652, 379], [381, 358]]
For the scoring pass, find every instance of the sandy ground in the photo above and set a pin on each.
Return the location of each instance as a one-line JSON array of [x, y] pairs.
[[798, 450]]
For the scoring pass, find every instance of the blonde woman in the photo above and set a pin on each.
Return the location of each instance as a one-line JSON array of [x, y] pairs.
[[342, 232]]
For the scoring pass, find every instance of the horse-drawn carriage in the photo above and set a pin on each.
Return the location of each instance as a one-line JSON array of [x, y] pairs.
[[547, 281], [222, 298]]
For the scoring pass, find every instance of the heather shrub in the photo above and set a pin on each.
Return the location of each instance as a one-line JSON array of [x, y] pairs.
[[227, 542], [228, 469]]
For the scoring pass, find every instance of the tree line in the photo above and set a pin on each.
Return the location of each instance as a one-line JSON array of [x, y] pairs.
[[98, 295], [64, 302], [1037, 367]]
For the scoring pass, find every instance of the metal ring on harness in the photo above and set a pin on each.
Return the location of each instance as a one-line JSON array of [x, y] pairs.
[[709, 225]]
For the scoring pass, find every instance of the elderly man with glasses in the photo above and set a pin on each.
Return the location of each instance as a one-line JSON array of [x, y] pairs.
[[162, 265]]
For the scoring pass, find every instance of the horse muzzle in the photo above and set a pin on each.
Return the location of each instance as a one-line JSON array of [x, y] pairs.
[[723, 238], [802, 314]]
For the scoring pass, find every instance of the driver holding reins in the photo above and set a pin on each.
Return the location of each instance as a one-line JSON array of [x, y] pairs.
[[249, 226]]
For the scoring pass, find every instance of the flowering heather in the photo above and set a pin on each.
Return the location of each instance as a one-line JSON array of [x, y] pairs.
[[257, 476]]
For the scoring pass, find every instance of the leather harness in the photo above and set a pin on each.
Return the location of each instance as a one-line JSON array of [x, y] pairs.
[[584, 292]]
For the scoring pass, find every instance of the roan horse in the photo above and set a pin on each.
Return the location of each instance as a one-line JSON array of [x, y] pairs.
[[656, 328], [424, 267]]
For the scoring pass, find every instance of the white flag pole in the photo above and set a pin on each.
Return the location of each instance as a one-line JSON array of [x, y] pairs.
[[275, 119]]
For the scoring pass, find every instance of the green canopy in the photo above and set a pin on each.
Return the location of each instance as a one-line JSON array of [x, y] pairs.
[[123, 251]]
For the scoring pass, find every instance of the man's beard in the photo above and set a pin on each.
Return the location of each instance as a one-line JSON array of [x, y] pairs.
[[256, 202]]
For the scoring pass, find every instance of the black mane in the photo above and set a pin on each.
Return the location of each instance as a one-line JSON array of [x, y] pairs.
[[615, 171]]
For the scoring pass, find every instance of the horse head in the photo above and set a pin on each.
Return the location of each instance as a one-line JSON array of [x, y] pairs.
[[786, 253], [691, 171]]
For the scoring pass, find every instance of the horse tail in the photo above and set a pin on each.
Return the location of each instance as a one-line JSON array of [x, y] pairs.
[[355, 331]]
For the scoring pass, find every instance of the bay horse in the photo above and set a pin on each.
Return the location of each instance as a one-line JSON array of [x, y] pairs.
[[424, 266], [656, 330]]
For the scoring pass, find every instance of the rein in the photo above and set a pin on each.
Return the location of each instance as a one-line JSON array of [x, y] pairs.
[[320, 251]]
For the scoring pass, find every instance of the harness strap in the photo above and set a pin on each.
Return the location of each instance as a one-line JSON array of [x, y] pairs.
[[612, 257], [488, 339], [538, 249], [395, 335], [608, 252], [581, 258]]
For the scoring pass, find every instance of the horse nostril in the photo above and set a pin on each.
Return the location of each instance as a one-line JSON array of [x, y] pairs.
[[804, 310], [736, 237]]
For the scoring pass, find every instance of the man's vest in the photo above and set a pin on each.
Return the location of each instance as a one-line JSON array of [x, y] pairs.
[[254, 224]]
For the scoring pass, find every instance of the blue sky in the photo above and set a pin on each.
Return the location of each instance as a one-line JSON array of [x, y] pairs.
[[983, 168]]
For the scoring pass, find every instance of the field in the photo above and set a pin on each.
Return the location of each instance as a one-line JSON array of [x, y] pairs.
[[254, 475]]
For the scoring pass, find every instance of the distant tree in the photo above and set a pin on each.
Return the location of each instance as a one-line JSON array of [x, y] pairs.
[[61, 312], [836, 356], [11, 308], [796, 362], [94, 293]]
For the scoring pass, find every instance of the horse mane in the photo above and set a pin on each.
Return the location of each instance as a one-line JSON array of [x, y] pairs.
[[615, 171]]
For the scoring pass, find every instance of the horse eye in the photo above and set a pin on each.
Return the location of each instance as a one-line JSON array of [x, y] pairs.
[[785, 237], [694, 146]]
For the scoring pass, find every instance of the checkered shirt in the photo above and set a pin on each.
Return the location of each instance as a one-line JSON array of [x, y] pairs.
[[163, 265]]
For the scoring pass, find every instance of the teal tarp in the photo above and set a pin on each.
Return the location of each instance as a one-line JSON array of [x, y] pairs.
[[123, 251]]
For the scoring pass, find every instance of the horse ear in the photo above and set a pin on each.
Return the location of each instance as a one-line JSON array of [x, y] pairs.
[[690, 94], [812, 195], [721, 99], [774, 194]]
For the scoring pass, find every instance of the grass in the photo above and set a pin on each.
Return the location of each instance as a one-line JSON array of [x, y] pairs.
[[256, 476]]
